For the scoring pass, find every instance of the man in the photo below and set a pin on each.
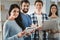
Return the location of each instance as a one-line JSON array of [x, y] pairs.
[[26, 20], [38, 7]]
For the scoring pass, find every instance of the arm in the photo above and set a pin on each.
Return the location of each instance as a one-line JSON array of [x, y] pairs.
[[6, 35]]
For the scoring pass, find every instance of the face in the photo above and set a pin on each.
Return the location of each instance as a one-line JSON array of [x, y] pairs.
[[38, 6], [53, 9], [15, 13], [25, 7]]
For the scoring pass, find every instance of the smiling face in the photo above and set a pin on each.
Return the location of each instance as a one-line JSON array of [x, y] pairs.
[[25, 7], [53, 9], [14, 13], [38, 6]]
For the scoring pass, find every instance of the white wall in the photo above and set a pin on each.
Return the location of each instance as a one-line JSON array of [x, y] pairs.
[[0, 23]]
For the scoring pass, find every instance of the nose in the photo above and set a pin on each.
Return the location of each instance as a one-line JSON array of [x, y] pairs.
[[26, 7]]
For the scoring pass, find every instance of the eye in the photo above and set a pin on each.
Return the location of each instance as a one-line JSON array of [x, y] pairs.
[[24, 5], [14, 11], [27, 5], [18, 11]]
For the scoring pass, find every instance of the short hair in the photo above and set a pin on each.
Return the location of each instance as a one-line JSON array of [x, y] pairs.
[[38, 1], [26, 1]]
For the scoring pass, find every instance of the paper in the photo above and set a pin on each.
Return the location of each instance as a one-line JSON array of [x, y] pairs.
[[29, 29], [51, 24]]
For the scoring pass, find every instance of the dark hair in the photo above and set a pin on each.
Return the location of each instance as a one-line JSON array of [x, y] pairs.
[[50, 9], [26, 1], [12, 7], [38, 1], [19, 18]]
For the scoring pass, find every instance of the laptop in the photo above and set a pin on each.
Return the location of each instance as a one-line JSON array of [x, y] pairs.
[[50, 24]]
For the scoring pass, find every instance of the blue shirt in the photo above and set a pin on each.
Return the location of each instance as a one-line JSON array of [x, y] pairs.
[[26, 20], [10, 30]]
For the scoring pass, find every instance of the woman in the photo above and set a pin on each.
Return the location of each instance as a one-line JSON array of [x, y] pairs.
[[53, 15], [13, 28]]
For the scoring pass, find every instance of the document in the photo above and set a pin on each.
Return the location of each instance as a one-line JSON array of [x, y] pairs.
[[29, 29], [50, 24]]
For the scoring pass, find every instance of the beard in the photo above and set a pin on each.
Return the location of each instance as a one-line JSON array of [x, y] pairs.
[[25, 11]]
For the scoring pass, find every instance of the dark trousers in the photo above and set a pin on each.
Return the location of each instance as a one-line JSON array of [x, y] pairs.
[[27, 38], [44, 35], [36, 35]]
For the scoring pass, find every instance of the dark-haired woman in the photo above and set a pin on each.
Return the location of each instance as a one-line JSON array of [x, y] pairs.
[[53, 15], [13, 28]]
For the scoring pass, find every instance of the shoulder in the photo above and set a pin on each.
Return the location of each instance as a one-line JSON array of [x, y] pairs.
[[8, 23], [44, 14], [32, 15], [29, 16]]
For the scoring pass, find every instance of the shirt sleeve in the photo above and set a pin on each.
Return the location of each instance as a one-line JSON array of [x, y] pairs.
[[30, 22], [6, 31], [32, 18]]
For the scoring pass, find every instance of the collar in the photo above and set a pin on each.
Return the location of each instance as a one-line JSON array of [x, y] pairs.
[[23, 12], [36, 14]]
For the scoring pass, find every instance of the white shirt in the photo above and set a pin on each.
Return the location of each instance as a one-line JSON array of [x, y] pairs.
[[39, 18]]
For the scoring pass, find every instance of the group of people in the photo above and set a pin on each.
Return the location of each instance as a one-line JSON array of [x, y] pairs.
[[18, 20]]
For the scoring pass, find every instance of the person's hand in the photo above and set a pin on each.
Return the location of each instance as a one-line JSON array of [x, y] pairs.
[[53, 31], [30, 32], [34, 25], [27, 34], [58, 31], [39, 28], [11, 17], [21, 34]]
